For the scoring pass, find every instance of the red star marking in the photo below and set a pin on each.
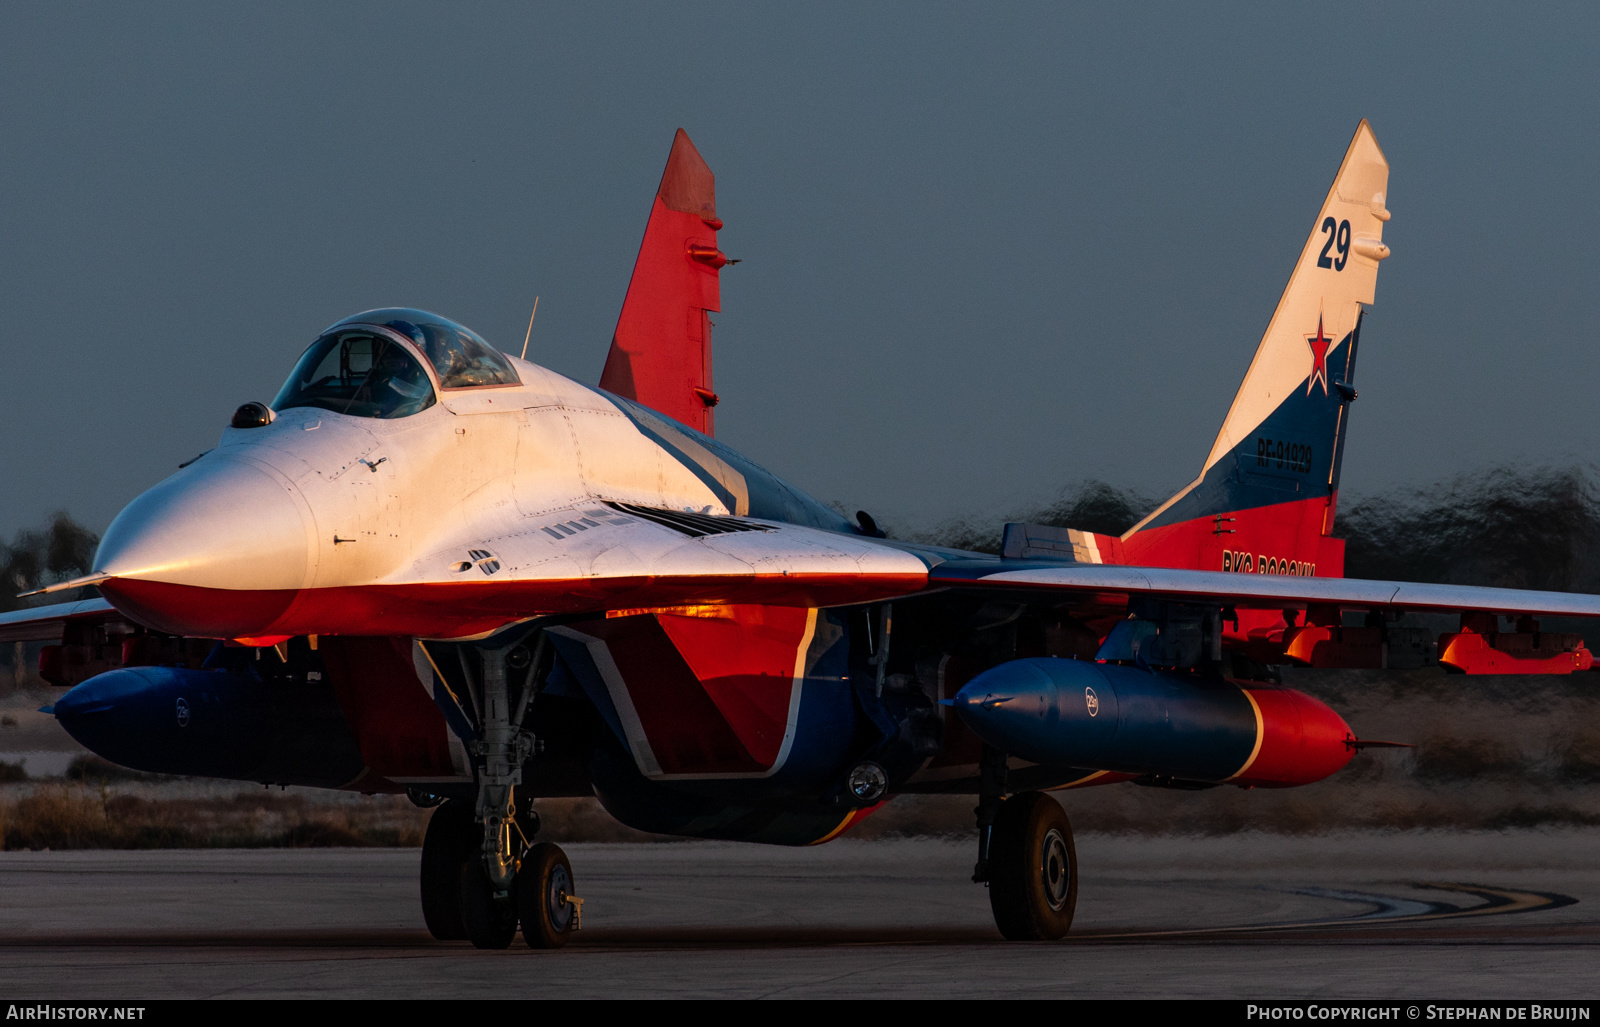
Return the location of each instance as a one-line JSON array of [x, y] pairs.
[[1319, 344]]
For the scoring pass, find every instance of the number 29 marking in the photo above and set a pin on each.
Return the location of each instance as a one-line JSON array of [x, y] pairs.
[[1338, 234]]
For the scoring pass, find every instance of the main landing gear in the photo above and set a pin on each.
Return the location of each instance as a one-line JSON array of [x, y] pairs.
[[1026, 856]]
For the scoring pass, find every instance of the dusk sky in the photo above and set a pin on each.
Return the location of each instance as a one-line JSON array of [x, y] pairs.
[[989, 250]]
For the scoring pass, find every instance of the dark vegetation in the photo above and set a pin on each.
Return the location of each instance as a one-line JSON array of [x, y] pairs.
[[1537, 528], [1579, 758], [64, 549], [60, 816], [91, 769], [1089, 506], [1441, 758]]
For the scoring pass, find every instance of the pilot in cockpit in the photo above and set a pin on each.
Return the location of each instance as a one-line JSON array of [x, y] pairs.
[[459, 357], [396, 386], [359, 373], [356, 370]]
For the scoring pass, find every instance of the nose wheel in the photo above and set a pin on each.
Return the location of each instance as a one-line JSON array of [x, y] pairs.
[[453, 838], [1033, 869], [459, 900], [541, 900], [482, 874], [546, 905]]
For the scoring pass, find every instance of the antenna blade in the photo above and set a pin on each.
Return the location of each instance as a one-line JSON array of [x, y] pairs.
[[528, 336]]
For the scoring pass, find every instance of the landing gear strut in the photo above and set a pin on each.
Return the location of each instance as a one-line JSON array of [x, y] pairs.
[[504, 748], [991, 793], [1025, 855], [490, 918], [482, 874]]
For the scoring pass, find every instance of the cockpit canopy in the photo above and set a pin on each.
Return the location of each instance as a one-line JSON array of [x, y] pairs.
[[459, 355], [359, 366]]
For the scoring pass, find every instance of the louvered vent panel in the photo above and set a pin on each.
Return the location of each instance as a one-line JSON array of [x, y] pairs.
[[694, 525]]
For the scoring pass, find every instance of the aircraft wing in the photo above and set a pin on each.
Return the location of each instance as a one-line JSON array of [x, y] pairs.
[[1255, 591], [617, 556], [48, 623]]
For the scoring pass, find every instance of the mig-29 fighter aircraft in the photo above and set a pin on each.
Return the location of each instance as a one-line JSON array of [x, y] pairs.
[[430, 567]]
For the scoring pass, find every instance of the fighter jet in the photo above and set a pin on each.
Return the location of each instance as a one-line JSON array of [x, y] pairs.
[[430, 567]]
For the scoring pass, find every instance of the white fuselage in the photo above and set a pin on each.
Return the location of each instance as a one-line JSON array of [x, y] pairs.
[[325, 522]]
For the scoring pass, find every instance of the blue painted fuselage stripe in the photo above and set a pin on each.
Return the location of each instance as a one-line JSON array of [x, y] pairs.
[[771, 498], [1263, 469]]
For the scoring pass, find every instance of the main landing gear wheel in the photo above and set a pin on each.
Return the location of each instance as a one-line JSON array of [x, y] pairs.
[[545, 901], [490, 922], [1033, 869], [453, 838]]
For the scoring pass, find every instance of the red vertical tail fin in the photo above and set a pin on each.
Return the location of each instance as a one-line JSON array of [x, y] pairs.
[[661, 352]]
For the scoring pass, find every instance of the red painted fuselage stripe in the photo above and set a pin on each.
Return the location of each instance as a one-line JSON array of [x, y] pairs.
[[400, 731], [686, 731], [745, 662], [1285, 538], [460, 609]]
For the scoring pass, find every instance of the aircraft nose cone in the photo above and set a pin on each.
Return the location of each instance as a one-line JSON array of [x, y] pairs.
[[218, 549]]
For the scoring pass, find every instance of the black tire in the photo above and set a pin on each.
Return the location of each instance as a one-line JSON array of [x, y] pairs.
[[490, 923], [543, 886], [453, 838], [1033, 869]]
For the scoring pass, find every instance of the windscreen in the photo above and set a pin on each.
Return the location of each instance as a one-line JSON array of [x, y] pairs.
[[360, 373]]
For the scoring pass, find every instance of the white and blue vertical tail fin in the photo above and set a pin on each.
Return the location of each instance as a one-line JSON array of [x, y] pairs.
[[1270, 480]]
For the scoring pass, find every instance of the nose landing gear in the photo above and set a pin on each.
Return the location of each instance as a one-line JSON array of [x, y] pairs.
[[482, 873], [459, 900]]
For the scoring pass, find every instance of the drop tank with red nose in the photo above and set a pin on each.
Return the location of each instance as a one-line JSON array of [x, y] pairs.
[[1175, 725]]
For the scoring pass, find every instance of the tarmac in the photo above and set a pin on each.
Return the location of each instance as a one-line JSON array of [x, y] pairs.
[[1421, 915]]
